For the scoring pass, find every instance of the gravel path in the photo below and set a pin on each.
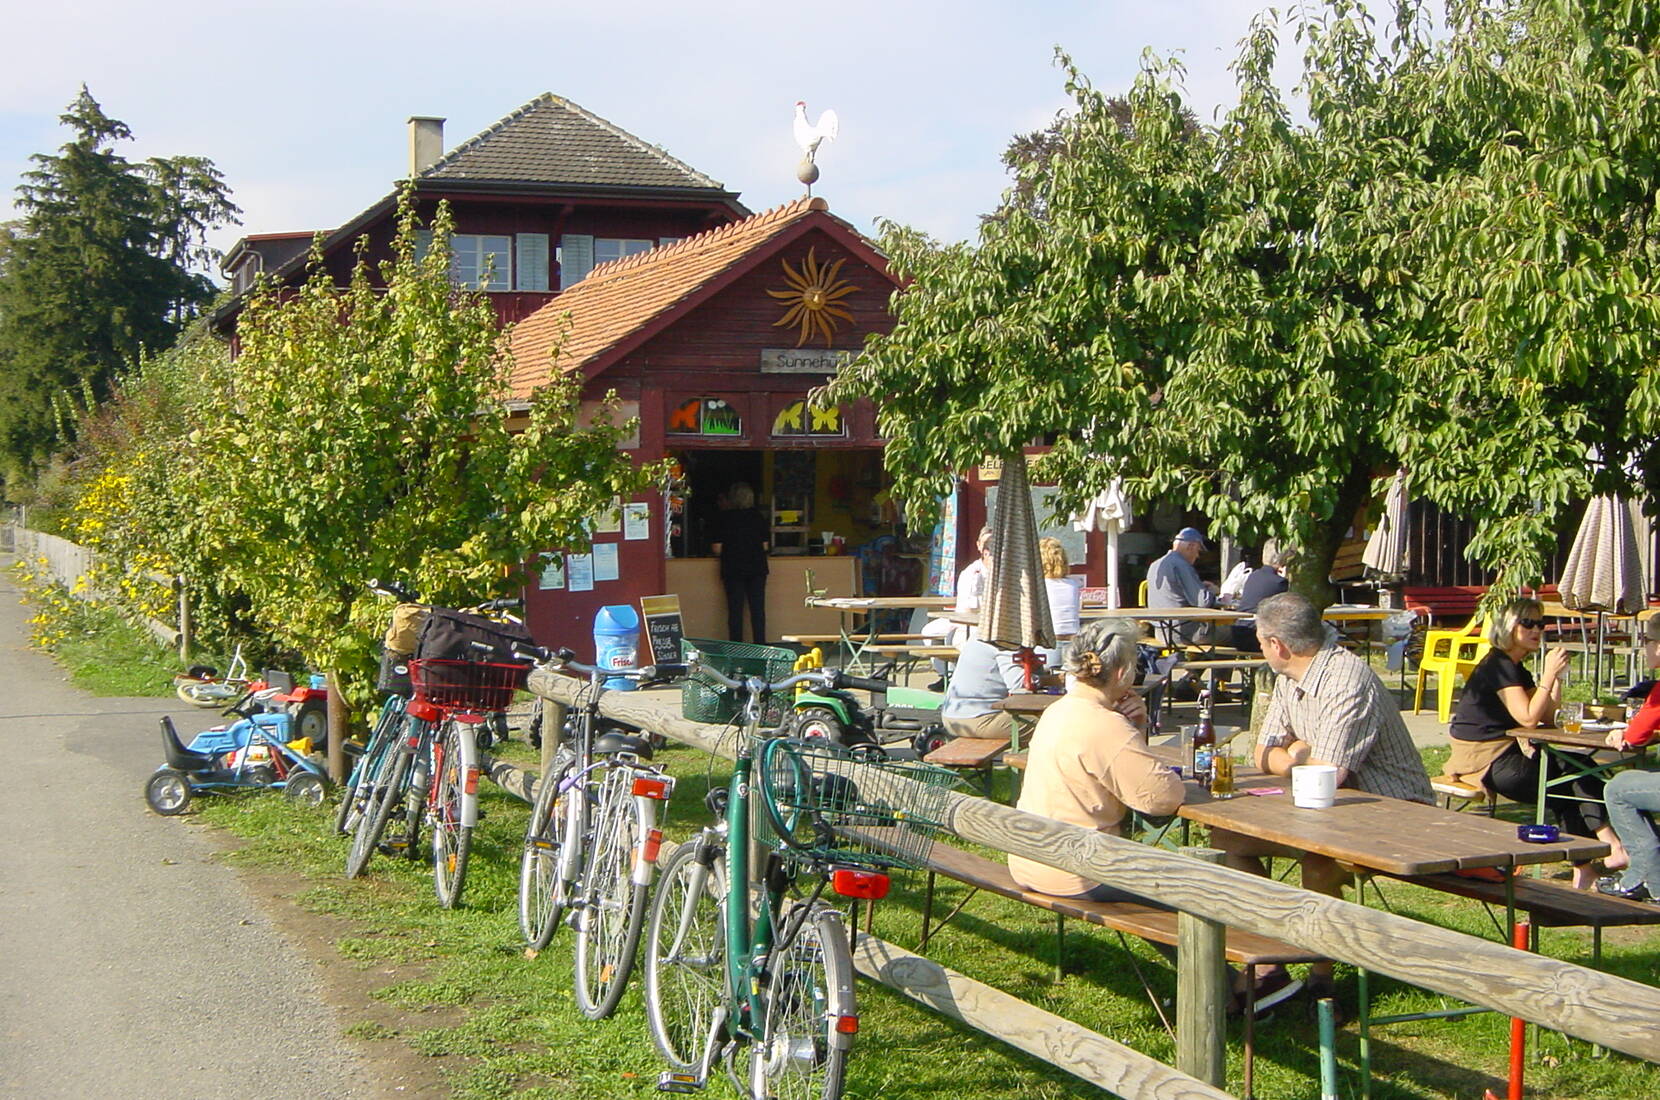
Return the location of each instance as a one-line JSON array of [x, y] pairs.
[[132, 963]]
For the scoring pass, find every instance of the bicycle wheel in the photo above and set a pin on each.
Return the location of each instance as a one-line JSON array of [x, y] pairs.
[[206, 693], [685, 955], [541, 889], [802, 1055], [385, 796], [354, 797], [451, 839], [613, 905]]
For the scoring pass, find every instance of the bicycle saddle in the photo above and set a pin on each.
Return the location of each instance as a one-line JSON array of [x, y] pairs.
[[177, 755], [615, 742]]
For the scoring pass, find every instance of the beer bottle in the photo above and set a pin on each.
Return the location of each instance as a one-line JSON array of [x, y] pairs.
[[1204, 743]]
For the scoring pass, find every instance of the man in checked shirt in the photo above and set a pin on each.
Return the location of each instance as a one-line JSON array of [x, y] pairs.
[[1329, 707]]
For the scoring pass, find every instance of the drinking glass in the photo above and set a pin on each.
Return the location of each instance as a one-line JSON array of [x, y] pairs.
[[1569, 716]]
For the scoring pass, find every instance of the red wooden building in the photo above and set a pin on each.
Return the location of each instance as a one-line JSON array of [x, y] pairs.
[[538, 199], [715, 343]]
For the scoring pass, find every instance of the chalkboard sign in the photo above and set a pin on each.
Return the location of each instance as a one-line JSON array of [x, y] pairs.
[[663, 628]]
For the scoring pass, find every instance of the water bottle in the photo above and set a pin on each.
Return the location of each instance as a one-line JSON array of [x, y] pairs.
[[616, 640]]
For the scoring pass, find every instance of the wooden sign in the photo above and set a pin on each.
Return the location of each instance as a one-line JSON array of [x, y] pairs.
[[663, 627]]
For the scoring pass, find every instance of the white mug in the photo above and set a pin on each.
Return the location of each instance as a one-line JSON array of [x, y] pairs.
[[1313, 786]]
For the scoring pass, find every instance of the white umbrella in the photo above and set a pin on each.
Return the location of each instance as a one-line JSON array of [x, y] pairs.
[[1385, 557], [1015, 611], [1603, 573], [1110, 511]]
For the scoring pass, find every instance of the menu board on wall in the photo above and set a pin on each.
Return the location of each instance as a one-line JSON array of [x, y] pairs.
[[663, 627]]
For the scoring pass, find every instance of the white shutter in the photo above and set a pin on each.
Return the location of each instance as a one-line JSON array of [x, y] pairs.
[[576, 258], [532, 273]]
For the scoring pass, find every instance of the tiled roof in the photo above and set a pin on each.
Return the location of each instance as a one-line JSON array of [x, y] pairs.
[[551, 140], [621, 298]]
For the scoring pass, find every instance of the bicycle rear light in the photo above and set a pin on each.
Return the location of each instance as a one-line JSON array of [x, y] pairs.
[[652, 787], [855, 882], [847, 1025]]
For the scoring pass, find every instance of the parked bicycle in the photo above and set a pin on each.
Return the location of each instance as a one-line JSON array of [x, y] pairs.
[[592, 840], [424, 768], [736, 967], [202, 686]]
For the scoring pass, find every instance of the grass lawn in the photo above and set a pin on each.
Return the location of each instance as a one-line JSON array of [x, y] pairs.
[[512, 1028]]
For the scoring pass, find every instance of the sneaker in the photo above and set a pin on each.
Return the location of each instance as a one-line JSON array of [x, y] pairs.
[[1610, 885], [1275, 987]]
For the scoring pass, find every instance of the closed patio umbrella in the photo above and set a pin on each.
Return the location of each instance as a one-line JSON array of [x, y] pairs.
[[1385, 555], [1111, 512], [1603, 573], [1015, 612]]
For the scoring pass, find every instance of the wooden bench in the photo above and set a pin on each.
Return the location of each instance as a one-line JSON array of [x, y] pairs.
[[1550, 904], [1450, 789], [835, 639], [1245, 949], [1451, 602], [973, 754]]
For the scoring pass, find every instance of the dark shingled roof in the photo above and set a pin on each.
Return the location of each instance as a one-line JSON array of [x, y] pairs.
[[551, 140]]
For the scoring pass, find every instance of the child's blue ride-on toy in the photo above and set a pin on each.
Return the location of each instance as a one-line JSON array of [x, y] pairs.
[[254, 751]]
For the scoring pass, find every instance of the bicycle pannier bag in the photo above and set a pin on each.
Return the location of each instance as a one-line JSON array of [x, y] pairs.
[[459, 636]]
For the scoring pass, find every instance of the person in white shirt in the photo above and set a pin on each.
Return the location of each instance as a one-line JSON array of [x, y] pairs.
[[971, 584], [1065, 596]]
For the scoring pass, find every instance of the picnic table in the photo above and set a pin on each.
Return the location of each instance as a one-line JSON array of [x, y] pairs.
[[851, 608], [1577, 753]]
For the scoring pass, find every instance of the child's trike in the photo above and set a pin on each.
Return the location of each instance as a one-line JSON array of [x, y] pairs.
[[255, 751]]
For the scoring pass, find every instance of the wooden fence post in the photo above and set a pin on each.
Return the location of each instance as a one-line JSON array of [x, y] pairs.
[[553, 728], [338, 717], [1201, 991], [184, 617]]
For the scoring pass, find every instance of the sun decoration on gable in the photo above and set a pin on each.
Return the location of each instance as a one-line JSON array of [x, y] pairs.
[[814, 298]]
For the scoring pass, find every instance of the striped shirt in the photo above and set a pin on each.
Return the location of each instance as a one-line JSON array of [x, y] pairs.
[[1350, 719]]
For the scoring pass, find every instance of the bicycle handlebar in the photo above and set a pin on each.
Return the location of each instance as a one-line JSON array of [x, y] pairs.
[[565, 660], [827, 679], [397, 591]]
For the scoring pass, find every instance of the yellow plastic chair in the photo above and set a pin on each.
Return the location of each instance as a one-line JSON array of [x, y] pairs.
[[1450, 654], [1141, 595]]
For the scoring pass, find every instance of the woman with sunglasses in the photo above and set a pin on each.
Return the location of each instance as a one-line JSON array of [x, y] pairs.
[[1501, 695]]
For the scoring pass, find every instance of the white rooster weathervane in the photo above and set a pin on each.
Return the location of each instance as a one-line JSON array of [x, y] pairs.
[[809, 136]]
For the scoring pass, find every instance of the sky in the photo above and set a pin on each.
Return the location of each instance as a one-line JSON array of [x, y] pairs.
[[303, 104]]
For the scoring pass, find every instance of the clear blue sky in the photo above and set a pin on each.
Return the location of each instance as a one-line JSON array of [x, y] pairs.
[[302, 104]]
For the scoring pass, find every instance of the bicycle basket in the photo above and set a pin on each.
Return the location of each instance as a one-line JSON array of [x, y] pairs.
[[466, 685], [703, 700], [824, 802]]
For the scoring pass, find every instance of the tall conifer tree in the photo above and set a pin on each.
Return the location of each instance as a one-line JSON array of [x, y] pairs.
[[105, 261]]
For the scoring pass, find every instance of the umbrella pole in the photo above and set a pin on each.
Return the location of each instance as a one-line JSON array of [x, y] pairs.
[[1112, 568], [1597, 688]]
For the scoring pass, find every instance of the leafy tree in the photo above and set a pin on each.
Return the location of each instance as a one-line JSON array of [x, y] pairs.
[[359, 434], [1448, 267], [105, 262]]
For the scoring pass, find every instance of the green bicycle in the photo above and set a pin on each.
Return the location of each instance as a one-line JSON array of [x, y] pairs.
[[746, 965]]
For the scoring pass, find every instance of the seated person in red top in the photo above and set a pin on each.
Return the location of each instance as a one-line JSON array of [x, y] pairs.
[[1501, 695], [1634, 796]]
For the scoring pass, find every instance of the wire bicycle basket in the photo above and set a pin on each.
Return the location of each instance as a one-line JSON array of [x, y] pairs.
[[481, 686], [826, 803]]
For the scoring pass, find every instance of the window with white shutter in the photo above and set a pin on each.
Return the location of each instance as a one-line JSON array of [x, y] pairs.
[[576, 258], [532, 273]]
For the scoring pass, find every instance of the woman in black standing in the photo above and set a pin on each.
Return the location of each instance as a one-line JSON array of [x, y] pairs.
[[741, 543]]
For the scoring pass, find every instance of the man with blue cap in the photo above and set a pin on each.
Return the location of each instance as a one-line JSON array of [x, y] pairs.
[[1173, 582]]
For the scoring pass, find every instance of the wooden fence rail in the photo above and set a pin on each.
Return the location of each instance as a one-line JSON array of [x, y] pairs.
[[1601, 1008]]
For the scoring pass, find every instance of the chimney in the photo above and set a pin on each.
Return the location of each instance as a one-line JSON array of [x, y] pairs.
[[426, 143]]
